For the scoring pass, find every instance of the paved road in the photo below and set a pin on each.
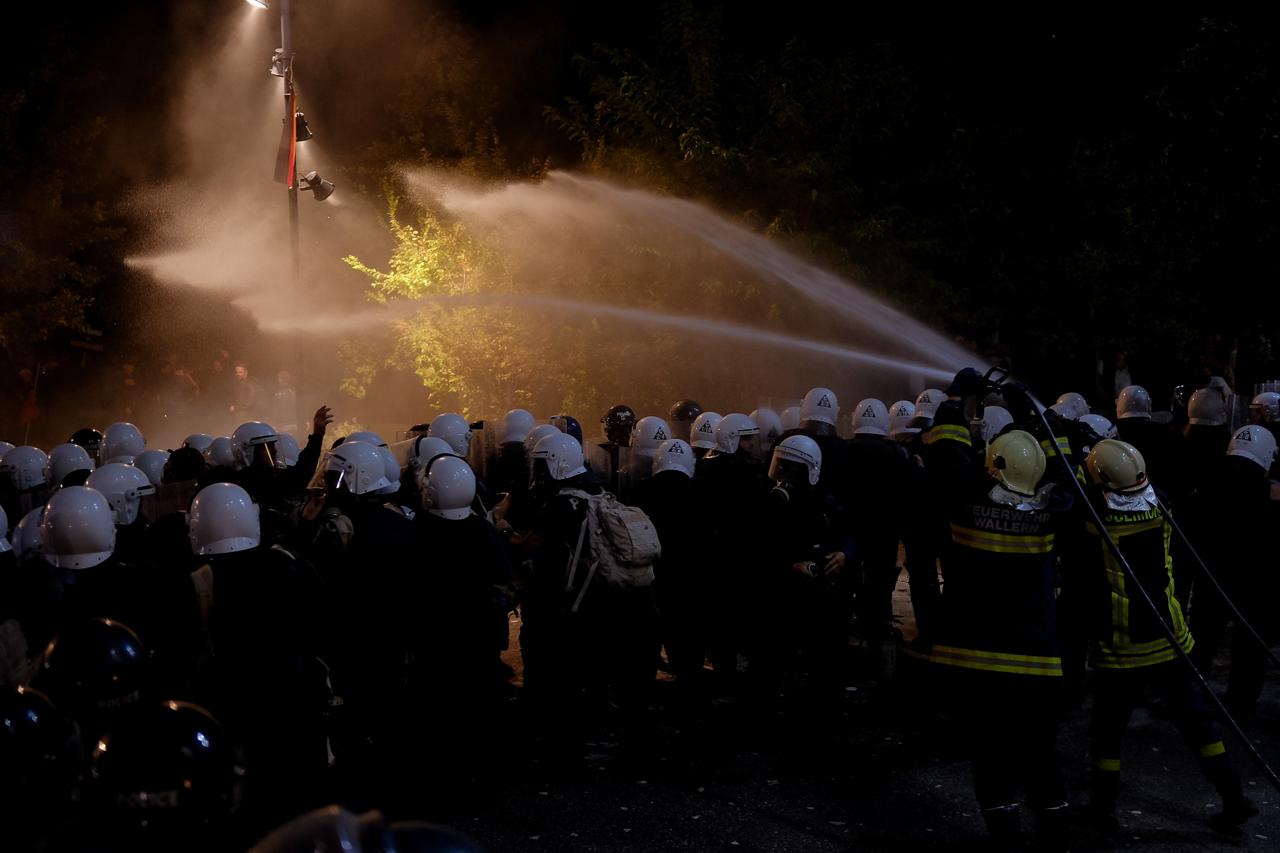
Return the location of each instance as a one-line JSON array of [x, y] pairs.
[[895, 779]]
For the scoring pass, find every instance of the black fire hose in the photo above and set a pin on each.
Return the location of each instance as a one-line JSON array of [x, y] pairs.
[[1132, 578], [1240, 621]]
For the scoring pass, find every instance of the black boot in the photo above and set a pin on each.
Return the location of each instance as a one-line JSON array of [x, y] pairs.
[[1053, 829], [1104, 789], [1236, 809], [1004, 827]]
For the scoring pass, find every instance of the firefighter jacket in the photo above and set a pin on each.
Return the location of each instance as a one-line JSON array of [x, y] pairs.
[[999, 609], [1126, 633]]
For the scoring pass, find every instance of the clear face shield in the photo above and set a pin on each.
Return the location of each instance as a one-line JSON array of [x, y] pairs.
[[330, 474], [263, 453], [749, 444], [789, 473], [126, 505], [540, 479]]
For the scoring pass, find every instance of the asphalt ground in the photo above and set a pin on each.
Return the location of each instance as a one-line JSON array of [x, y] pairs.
[[892, 776]]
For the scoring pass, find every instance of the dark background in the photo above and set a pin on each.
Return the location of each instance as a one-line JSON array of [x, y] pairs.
[[1048, 186]]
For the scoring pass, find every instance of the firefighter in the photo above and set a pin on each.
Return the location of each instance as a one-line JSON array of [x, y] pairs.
[[996, 641], [1130, 648]]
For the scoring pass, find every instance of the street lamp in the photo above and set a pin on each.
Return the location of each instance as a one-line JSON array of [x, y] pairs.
[[296, 131], [319, 188], [300, 128]]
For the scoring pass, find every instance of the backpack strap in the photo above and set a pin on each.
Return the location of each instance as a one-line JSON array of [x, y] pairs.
[[571, 572]]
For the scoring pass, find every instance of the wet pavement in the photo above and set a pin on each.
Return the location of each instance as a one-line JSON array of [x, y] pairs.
[[892, 776]]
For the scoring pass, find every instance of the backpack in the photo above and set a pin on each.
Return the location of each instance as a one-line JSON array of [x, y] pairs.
[[619, 542]]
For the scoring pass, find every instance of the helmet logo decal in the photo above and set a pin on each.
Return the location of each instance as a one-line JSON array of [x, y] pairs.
[[660, 435], [869, 412], [706, 427], [825, 402]]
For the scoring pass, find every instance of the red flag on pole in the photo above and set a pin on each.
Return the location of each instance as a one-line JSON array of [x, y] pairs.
[[286, 162]]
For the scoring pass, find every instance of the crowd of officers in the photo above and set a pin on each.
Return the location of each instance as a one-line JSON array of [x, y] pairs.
[[239, 625]]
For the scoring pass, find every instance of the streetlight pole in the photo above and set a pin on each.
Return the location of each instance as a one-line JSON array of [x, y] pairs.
[[290, 108], [295, 249], [321, 189]]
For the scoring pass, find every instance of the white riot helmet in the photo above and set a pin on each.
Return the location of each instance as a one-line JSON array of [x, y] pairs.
[[223, 519], [5, 547], [1207, 408], [731, 429], [800, 449], [535, 435], [770, 424], [674, 455], [703, 432], [454, 429], [1265, 408], [287, 450], [26, 536], [66, 459], [994, 419], [26, 467], [927, 403], [1255, 443], [450, 488], [151, 463], [1100, 426], [820, 405], [790, 418], [368, 436], [121, 443], [219, 453], [77, 529], [516, 426], [198, 441], [900, 415], [562, 455], [356, 466], [870, 417], [1133, 402], [424, 449], [391, 467], [124, 487], [647, 434], [246, 440], [1071, 406]]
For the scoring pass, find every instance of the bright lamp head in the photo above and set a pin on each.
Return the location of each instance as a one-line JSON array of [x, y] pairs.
[[301, 129], [317, 186], [259, 4], [279, 64]]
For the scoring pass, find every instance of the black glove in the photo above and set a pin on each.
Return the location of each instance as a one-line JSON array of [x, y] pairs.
[[1017, 399]]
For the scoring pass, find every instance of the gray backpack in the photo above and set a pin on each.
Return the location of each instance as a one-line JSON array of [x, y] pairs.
[[617, 542]]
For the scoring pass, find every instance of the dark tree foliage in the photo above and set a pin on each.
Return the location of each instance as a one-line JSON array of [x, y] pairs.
[[1054, 190]]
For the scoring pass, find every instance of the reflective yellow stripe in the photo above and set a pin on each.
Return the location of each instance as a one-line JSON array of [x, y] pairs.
[[1064, 444], [1209, 750], [992, 661], [1001, 543], [950, 432], [1110, 765], [1124, 658], [1118, 530]]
